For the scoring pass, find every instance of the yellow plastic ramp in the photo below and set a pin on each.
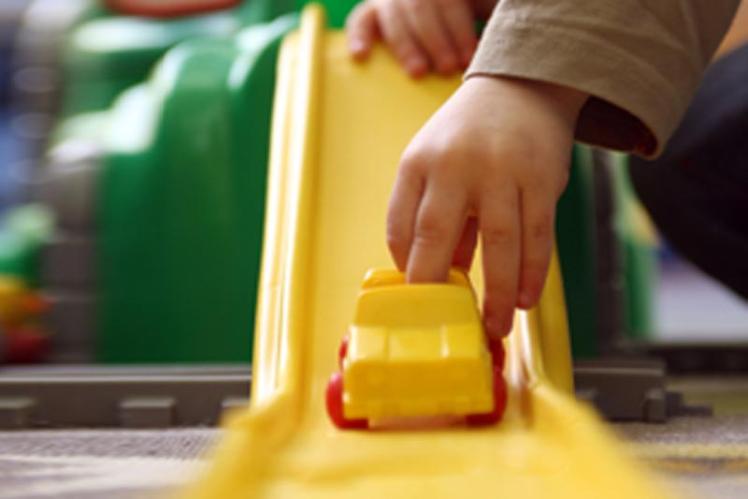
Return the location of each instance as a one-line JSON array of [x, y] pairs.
[[338, 132]]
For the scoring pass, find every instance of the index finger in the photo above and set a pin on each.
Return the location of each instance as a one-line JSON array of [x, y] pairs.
[[439, 224]]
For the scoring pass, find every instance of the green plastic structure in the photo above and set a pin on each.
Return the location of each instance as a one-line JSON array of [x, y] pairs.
[[575, 239], [107, 53], [23, 231], [180, 181], [110, 53], [182, 203]]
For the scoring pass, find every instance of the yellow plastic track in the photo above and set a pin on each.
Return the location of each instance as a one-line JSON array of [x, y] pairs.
[[339, 129]]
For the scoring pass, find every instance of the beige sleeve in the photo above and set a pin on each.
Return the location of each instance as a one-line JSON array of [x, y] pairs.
[[640, 60]]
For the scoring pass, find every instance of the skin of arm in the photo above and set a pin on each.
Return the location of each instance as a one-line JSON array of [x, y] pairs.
[[489, 166], [491, 162]]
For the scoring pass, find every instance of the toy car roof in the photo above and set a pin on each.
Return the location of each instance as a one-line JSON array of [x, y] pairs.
[[392, 277], [386, 301]]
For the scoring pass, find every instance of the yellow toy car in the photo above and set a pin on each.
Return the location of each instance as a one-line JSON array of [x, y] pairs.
[[416, 350]]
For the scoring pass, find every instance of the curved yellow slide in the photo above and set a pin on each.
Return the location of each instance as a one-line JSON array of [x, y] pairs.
[[338, 131]]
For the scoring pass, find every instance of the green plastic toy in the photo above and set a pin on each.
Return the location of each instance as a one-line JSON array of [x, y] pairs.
[[182, 187], [23, 231], [182, 203]]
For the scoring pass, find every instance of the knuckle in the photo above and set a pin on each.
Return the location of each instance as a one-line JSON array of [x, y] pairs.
[[540, 230], [401, 44], [448, 5], [416, 159], [406, 50], [430, 229], [497, 235], [534, 181], [414, 5], [439, 158], [442, 49], [394, 36], [412, 162]]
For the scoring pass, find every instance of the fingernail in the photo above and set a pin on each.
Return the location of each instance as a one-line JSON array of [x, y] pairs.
[[357, 46], [525, 300], [493, 327], [415, 66], [496, 326], [508, 324]]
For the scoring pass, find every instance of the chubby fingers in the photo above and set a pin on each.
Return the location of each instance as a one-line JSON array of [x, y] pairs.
[[401, 213], [401, 217], [432, 34], [373, 19], [499, 225], [465, 250], [458, 17], [399, 37], [538, 217], [427, 225], [362, 30], [423, 34], [439, 225]]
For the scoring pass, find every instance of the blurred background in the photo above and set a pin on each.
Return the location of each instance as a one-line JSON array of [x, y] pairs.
[[96, 100], [133, 150]]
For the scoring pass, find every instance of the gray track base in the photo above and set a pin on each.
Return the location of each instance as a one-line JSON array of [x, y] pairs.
[[131, 397], [630, 389], [168, 396]]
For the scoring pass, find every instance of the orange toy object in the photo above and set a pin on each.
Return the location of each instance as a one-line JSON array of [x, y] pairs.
[[416, 350], [21, 310]]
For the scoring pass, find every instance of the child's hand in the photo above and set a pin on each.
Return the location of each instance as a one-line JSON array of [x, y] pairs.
[[494, 159], [423, 34]]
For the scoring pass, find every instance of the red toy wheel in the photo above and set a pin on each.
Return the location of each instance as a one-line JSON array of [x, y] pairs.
[[496, 347], [334, 397], [342, 350], [499, 404]]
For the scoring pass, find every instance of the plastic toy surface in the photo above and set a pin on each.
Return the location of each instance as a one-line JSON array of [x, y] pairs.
[[182, 288], [338, 131], [416, 351]]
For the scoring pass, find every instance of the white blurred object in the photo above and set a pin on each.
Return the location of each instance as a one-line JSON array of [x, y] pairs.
[[689, 305]]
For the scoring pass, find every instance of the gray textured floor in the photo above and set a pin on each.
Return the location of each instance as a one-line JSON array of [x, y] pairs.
[[86, 464], [705, 457]]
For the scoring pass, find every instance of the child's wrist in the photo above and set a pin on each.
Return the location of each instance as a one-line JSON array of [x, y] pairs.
[[566, 102]]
